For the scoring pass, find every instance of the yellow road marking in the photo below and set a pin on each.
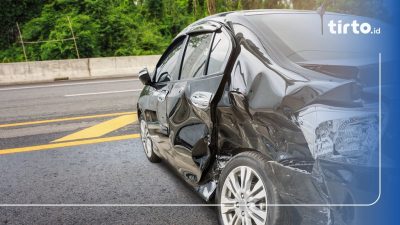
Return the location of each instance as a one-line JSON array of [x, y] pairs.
[[100, 129], [67, 144], [65, 119]]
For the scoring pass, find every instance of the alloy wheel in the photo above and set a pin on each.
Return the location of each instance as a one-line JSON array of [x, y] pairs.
[[144, 134], [243, 198]]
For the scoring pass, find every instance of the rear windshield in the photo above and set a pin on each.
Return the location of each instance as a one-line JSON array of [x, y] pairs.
[[300, 37]]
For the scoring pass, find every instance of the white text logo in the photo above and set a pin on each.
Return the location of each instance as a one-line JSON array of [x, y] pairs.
[[357, 28]]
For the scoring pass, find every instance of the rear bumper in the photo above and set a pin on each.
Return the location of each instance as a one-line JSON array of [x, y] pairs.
[[326, 195]]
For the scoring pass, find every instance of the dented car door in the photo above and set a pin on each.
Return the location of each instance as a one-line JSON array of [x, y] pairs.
[[190, 99]]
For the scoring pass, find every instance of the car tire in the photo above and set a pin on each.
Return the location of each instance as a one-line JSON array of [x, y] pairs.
[[147, 142], [248, 203]]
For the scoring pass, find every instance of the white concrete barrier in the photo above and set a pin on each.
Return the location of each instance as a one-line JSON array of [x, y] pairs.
[[121, 66], [44, 71]]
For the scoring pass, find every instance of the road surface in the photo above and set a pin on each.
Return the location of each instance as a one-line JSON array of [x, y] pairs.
[[76, 143]]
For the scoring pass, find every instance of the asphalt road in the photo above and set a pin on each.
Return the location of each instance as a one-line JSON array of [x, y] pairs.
[[56, 147]]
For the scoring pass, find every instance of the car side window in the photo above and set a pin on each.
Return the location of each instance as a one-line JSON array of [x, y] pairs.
[[219, 53], [169, 68], [196, 55]]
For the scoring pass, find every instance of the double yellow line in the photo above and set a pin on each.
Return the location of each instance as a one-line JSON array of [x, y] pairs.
[[84, 137]]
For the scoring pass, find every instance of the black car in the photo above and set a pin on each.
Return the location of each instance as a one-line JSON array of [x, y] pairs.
[[265, 112]]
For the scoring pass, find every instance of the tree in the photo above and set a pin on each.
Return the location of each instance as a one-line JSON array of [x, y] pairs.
[[15, 11], [126, 27]]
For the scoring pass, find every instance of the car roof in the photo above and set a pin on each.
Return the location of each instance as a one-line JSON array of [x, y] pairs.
[[235, 16]]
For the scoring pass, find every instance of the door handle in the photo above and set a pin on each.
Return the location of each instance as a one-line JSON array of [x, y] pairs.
[[162, 95], [201, 99]]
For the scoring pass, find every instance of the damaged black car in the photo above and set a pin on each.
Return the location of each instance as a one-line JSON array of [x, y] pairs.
[[265, 112]]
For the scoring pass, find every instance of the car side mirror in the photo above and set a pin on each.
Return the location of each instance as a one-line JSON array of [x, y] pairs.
[[144, 77]]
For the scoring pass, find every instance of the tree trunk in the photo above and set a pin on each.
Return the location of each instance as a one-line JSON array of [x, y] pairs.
[[194, 8], [211, 7]]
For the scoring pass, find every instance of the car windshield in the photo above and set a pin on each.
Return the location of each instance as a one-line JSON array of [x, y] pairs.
[[300, 37]]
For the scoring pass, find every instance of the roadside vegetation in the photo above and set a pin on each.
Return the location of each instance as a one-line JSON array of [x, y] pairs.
[[123, 27]]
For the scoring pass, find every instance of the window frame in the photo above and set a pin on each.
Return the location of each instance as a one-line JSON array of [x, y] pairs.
[[231, 46], [183, 39], [208, 54], [214, 33]]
